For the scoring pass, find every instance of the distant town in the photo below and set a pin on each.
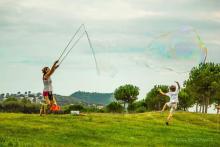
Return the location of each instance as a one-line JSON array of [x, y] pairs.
[[32, 97], [92, 99]]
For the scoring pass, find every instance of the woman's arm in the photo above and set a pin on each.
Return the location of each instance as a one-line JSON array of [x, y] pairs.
[[53, 68]]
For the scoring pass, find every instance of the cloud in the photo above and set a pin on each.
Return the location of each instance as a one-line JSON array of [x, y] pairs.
[[35, 32]]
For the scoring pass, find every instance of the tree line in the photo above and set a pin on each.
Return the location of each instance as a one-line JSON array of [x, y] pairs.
[[201, 89], [19, 106]]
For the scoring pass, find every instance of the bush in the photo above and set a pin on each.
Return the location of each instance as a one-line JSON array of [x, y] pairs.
[[114, 107], [76, 107], [1, 107], [131, 107], [10, 99], [138, 107], [94, 109], [141, 109], [13, 106], [31, 108]]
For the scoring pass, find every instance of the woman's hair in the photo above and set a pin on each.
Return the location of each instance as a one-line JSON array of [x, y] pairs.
[[44, 70], [173, 88]]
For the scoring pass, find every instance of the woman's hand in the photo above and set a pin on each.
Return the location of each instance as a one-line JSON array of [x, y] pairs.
[[56, 62]]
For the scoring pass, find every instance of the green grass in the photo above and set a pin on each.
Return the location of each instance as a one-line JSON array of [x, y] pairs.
[[129, 130]]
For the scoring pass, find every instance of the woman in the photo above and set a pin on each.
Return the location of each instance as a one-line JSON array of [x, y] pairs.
[[48, 89]]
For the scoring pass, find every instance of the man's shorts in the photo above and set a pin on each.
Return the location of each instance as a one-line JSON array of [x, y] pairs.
[[172, 105]]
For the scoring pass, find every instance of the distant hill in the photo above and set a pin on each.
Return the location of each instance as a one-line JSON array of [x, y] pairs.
[[85, 98], [66, 100], [93, 97]]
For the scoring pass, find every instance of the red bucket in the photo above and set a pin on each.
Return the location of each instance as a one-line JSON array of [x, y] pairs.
[[55, 107]]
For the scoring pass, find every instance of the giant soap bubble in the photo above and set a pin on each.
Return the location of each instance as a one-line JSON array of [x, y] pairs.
[[176, 51]]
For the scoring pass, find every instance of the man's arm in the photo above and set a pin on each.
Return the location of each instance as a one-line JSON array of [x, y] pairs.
[[178, 85], [161, 92]]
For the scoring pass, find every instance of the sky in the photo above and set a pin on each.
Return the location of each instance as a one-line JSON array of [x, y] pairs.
[[34, 33]]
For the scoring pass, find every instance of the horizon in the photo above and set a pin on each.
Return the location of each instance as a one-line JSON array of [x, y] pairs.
[[211, 109]]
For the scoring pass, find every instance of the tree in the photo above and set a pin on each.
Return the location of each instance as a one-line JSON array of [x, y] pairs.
[[2, 95], [185, 100], [29, 93], [139, 106], [114, 107], [154, 100], [1, 107], [13, 106], [204, 84], [10, 99], [31, 108], [7, 95], [25, 101], [126, 93]]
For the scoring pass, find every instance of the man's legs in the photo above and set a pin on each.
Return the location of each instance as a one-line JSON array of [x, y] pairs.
[[169, 116], [173, 108], [164, 107]]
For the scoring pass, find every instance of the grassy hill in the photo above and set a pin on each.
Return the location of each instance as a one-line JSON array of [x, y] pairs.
[[133, 130]]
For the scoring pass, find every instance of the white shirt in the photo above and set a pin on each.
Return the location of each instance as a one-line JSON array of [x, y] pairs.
[[173, 96], [48, 85]]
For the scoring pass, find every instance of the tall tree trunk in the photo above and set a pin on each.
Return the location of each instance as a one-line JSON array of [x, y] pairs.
[[203, 104], [200, 108], [207, 104], [197, 107], [203, 110]]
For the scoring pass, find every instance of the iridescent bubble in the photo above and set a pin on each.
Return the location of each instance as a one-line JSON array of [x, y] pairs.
[[177, 50]]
